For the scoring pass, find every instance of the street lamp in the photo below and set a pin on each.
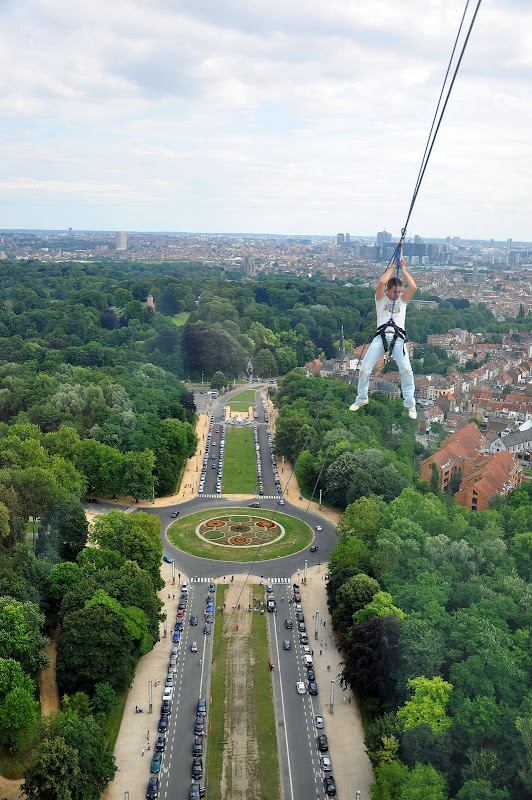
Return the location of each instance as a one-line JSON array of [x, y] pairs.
[[202, 380]]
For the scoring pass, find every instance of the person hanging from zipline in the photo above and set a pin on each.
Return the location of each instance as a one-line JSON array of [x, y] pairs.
[[390, 336]]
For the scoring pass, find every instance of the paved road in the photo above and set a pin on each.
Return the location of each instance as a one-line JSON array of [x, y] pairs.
[[191, 682], [301, 775]]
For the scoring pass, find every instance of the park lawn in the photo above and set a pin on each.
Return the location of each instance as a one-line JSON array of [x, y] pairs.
[[182, 534], [181, 318], [239, 471], [262, 717], [217, 733], [247, 397], [239, 407]]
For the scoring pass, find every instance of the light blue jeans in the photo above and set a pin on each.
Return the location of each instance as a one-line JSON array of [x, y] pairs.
[[402, 359]]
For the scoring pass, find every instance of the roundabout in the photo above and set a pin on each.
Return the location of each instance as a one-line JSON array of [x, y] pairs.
[[234, 535]]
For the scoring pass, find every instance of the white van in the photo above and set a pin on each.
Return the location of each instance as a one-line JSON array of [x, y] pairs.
[[168, 692], [184, 587], [307, 660]]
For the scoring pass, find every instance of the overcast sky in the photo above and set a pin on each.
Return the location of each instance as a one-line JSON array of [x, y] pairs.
[[281, 116]]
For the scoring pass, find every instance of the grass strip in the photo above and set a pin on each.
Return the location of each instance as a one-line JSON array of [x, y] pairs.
[[182, 534], [239, 471], [114, 720], [247, 397], [216, 727], [263, 728]]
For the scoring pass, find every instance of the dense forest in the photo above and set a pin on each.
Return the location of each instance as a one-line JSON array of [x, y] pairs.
[[431, 601]]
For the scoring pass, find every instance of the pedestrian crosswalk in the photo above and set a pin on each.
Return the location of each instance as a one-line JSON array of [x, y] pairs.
[[259, 498], [283, 581]]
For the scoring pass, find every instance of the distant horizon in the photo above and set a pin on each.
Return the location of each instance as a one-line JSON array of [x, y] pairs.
[[247, 234]]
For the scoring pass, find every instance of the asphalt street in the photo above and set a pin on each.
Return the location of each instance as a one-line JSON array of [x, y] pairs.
[[191, 682]]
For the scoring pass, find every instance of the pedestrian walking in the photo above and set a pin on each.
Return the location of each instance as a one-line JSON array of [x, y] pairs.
[[142, 751], [345, 700], [323, 623], [349, 699], [325, 644], [136, 709], [237, 626], [149, 746], [147, 734], [320, 652]]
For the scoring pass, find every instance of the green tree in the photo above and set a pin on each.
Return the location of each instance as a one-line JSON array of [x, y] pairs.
[[69, 522], [137, 474], [481, 790], [424, 783], [265, 364], [96, 763], [94, 642], [353, 595], [380, 606], [361, 519], [135, 536], [104, 697], [18, 707], [54, 772], [434, 482], [427, 704], [389, 780], [20, 635], [218, 381]]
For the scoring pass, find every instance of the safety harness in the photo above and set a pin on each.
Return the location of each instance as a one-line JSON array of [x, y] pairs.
[[398, 333]]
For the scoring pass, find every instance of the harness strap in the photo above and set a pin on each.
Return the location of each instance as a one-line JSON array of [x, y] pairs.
[[398, 333]]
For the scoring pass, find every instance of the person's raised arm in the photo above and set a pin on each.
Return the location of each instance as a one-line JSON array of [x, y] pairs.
[[411, 287], [381, 286]]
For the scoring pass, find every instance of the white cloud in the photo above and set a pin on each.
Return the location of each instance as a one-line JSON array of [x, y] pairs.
[[264, 116]]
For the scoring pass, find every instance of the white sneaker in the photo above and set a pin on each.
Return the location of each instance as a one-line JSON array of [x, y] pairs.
[[412, 413], [356, 406]]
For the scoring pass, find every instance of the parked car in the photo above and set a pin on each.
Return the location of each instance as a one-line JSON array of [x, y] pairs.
[[199, 726], [301, 688], [160, 744], [197, 747], [329, 786], [163, 723], [318, 721], [168, 559], [326, 763], [312, 687], [207, 629], [202, 707], [152, 790], [156, 762], [197, 768], [323, 743]]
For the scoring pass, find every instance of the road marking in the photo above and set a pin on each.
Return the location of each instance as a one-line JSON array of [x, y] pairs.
[[284, 712]]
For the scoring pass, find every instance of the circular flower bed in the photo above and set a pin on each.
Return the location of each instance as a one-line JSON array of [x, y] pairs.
[[240, 531]]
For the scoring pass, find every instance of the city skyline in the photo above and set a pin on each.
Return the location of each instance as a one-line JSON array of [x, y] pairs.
[[189, 117]]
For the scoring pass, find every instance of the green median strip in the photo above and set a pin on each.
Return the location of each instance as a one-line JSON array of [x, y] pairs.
[[240, 470], [262, 714], [216, 728]]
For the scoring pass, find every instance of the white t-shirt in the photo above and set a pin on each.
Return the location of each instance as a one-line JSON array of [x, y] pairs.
[[384, 311]]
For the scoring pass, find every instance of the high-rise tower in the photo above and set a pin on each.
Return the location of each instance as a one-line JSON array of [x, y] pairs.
[[121, 240]]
